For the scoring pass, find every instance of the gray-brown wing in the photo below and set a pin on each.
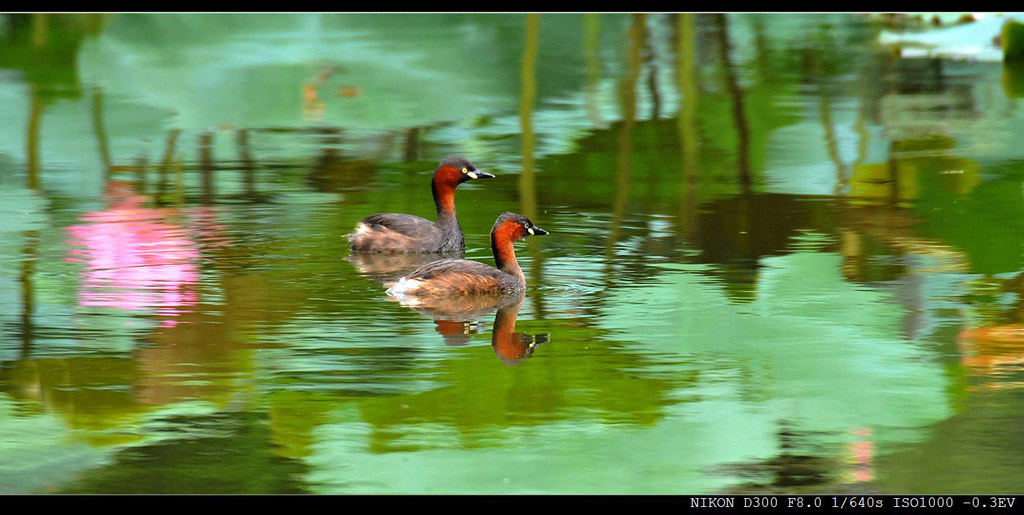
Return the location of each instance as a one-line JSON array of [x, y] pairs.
[[451, 266], [392, 232], [409, 225]]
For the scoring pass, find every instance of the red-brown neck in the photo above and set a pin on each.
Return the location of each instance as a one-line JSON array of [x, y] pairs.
[[503, 246], [443, 185]]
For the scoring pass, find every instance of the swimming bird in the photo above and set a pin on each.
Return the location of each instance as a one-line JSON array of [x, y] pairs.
[[395, 232], [449, 277]]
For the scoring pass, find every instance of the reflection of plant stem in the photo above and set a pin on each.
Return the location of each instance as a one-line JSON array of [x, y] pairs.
[[743, 208], [206, 165], [411, 149], [894, 174], [863, 138], [830, 140], [101, 136], [96, 22], [29, 254], [688, 91], [383, 145], [762, 51], [141, 165], [652, 79], [40, 29], [179, 181], [627, 99], [527, 177], [850, 246], [825, 105], [527, 187], [939, 77], [34, 119], [248, 166], [738, 112], [165, 163], [866, 86], [590, 44]]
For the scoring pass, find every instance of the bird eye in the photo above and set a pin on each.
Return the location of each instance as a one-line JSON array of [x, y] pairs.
[[465, 170]]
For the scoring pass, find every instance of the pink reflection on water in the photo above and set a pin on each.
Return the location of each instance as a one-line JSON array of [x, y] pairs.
[[862, 452], [136, 258]]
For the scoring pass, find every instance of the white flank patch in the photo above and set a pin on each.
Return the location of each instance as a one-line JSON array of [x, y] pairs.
[[361, 228], [403, 287]]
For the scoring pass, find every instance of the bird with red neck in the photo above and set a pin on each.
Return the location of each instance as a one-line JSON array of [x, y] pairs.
[[395, 232], [456, 277]]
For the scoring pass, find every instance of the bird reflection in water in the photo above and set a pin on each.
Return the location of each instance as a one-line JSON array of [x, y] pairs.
[[512, 347], [455, 319], [387, 268], [456, 333]]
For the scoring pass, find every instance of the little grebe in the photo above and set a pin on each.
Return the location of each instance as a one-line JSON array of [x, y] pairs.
[[392, 232], [464, 277]]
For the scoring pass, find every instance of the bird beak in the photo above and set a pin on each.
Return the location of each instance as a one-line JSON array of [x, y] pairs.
[[536, 231], [480, 174]]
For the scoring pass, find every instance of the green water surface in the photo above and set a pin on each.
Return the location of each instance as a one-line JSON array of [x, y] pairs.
[[782, 259]]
